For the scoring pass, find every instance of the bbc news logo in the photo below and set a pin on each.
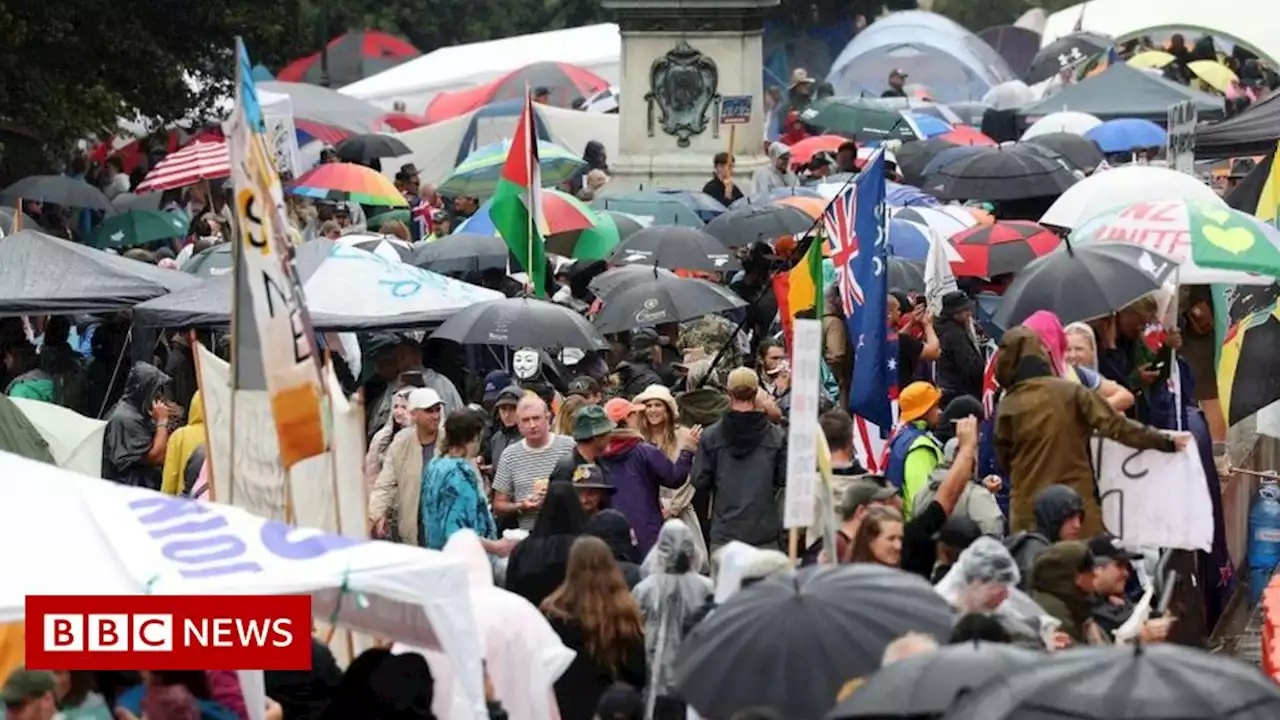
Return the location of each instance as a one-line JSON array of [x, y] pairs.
[[168, 632]]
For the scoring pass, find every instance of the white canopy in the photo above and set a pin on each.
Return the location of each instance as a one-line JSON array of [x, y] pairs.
[[597, 48], [1242, 20], [112, 540]]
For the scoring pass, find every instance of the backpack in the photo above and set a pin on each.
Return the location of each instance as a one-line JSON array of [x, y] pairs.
[[191, 471]]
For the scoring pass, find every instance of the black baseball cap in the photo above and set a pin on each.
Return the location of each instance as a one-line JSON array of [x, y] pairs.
[[584, 385], [1106, 550], [958, 532]]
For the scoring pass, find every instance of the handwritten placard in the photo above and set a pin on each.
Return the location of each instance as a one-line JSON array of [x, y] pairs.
[[1154, 499], [802, 433], [1181, 148]]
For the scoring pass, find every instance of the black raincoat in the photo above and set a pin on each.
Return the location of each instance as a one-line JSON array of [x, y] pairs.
[[130, 430], [539, 562]]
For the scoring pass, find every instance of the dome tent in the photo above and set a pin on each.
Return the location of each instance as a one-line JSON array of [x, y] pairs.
[[952, 62]]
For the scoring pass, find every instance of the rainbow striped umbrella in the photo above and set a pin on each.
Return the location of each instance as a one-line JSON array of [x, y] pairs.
[[477, 175], [348, 182]]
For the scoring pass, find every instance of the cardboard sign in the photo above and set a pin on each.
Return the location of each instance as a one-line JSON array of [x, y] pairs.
[[735, 109], [1181, 149], [802, 434], [1154, 499]]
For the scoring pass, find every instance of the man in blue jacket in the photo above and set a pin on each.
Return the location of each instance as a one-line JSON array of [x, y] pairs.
[[914, 452]]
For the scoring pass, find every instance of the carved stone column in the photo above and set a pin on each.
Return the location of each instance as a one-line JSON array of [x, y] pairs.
[[680, 59]]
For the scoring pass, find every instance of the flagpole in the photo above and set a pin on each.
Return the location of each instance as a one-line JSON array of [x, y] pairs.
[[530, 136]]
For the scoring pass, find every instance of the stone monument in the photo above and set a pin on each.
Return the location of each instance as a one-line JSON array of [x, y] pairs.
[[681, 61]]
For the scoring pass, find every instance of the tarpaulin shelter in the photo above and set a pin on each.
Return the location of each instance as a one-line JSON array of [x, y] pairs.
[[353, 56], [1244, 21], [118, 540], [45, 274], [934, 51], [597, 48], [346, 289], [564, 81], [1252, 132], [1124, 92]]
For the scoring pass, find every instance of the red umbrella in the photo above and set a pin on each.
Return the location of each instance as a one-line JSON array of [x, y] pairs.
[[353, 56], [193, 163], [1004, 247], [565, 81], [803, 151], [968, 135]]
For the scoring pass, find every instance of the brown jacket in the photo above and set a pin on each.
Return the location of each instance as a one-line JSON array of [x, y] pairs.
[[835, 346], [1043, 427]]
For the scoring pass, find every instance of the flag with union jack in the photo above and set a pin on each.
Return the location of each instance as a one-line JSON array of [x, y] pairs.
[[855, 225]]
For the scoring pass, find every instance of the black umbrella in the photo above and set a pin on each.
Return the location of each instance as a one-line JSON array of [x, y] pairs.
[[521, 322], [627, 225], [914, 157], [361, 149], [390, 248], [619, 277], [660, 298], [752, 223], [1083, 283], [1153, 682], [1044, 152], [1079, 151], [462, 254], [997, 174], [906, 275], [929, 684], [791, 643], [59, 190], [1066, 53], [676, 248]]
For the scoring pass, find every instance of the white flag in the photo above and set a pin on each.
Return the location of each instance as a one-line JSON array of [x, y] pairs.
[[938, 279]]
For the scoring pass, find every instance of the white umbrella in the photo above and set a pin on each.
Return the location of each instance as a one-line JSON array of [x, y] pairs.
[[1122, 186], [1067, 121], [75, 441], [116, 540], [946, 220]]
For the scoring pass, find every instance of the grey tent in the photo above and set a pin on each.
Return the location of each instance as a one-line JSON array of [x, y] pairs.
[[19, 436], [40, 273], [1253, 132], [1124, 92]]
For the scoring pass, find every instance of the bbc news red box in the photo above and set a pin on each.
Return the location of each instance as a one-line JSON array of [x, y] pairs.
[[168, 632]]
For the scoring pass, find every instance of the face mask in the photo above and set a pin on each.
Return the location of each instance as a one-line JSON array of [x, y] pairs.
[[525, 363]]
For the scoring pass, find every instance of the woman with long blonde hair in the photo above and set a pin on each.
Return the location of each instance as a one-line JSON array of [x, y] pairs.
[[659, 425], [564, 415], [596, 616]]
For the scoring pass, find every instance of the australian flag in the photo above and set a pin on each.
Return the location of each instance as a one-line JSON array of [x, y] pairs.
[[855, 224]]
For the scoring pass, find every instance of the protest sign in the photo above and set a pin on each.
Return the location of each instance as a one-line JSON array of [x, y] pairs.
[[1154, 499]]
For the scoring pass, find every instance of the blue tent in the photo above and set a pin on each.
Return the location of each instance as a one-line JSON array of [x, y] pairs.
[[505, 108], [953, 63]]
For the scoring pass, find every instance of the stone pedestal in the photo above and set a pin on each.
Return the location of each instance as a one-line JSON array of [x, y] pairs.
[[680, 58]]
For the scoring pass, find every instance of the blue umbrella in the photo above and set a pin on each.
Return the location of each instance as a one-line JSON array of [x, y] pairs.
[[907, 240], [707, 207], [906, 195], [931, 125], [1127, 135], [950, 155]]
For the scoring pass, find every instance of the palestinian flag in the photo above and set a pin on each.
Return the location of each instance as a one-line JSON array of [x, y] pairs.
[[516, 209], [1248, 368], [800, 288]]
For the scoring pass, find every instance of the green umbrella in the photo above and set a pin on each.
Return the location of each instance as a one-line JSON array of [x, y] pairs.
[[655, 208], [138, 227], [477, 175], [399, 214], [861, 119], [595, 243]]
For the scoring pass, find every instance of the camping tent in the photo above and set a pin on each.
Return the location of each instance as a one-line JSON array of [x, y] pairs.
[[44, 274], [597, 48], [346, 289], [1237, 19], [1252, 132], [1124, 92], [19, 435], [952, 62], [440, 147], [75, 441], [117, 540]]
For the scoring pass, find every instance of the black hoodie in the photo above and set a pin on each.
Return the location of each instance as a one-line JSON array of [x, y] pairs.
[[612, 527], [130, 430], [743, 460], [1053, 506], [538, 563]]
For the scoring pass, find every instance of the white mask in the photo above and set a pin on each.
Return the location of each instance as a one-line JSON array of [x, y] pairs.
[[525, 363]]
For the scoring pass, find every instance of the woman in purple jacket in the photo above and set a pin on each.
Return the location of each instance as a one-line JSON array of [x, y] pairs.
[[637, 469]]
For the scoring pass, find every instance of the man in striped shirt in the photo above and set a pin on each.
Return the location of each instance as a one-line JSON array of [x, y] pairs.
[[523, 471]]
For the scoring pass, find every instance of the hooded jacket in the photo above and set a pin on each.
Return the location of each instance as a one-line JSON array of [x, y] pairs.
[[612, 527], [1053, 506], [1043, 426], [538, 563], [768, 178], [638, 469], [130, 430], [743, 460], [182, 443], [500, 436], [1053, 586]]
